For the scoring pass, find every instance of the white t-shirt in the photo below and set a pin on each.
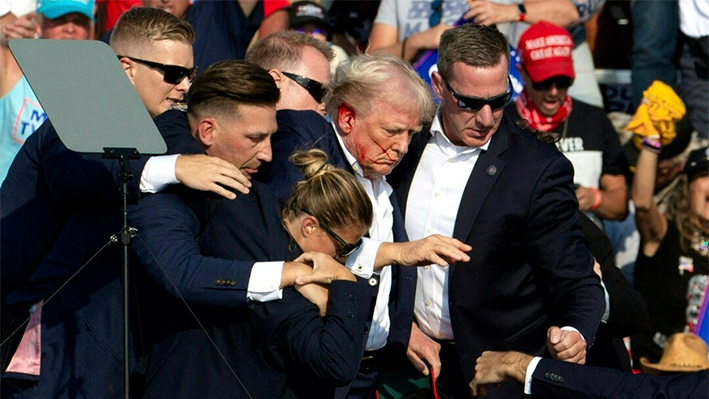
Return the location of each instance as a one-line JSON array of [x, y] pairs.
[[412, 16]]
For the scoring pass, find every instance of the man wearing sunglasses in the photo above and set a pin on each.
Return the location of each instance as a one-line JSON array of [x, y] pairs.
[[476, 176], [377, 104], [587, 137], [300, 65]]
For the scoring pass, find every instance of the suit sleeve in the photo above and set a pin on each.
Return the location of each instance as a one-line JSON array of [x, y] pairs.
[[280, 175], [331, 346], [628, 311], [167, 247], [76, 178], [297, 131], [556, 243], [557, 379]]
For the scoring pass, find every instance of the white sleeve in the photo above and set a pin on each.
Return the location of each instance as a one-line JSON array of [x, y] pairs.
[[4, 7], [18, 7], [528, 377], [361, 261], [265, 281], [607, 313], [158, 173]]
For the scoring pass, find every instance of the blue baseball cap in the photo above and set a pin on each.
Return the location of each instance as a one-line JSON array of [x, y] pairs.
[[54, 9]]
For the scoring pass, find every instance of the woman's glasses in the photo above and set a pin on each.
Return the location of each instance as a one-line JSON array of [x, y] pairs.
[[346, 248]]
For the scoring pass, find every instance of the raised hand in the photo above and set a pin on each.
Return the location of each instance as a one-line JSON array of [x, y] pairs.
[[205, 173]]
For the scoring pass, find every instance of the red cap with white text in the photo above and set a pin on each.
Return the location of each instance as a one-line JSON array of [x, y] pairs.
[[545, 51]]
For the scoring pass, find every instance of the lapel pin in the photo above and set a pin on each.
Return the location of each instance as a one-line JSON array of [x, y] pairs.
[[491, 170]]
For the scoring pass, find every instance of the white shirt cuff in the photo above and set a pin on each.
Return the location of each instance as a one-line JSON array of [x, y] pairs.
[[265, 282], [361, 262], [569, 328], [158, 173], [607, 313], [528, 377]]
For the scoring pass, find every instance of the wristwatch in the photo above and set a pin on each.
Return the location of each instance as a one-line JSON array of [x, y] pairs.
[[521, 11]]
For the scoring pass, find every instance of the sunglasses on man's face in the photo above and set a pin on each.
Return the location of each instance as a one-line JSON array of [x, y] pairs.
[[561, 82], [476, 103], [313, 87], [172, 74], [346, 248]]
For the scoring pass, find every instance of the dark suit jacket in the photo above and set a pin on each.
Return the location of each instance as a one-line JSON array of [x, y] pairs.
[[45, 185], [556, 379], [302, 130], [530, 267], [281, 344], [628, 311], [82, 347]]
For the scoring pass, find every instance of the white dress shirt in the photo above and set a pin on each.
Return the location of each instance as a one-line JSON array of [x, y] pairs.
[[265, 279], [361, 262], [432, 208]]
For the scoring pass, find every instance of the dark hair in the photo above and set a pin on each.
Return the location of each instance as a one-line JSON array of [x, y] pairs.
[[333, 195], [225, 85], [471, 44]]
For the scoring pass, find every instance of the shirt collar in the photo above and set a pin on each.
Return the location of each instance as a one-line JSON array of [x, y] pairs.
[[441, 139], [351, 160]]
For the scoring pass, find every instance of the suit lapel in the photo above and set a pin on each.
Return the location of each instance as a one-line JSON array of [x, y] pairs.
[[403, 174], [487, 169]]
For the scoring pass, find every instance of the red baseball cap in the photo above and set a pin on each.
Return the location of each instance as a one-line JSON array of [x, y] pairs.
[[545, 51]]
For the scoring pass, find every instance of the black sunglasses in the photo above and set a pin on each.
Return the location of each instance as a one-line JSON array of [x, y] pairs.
[[313, 87], [561, 82], [476, 104], [172, 74], [435, 18], [346, 248]]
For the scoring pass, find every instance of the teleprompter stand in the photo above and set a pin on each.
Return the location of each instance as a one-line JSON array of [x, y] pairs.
[[95, 110]]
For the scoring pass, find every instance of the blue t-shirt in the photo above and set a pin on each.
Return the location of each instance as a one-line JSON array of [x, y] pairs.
[[20, 115]]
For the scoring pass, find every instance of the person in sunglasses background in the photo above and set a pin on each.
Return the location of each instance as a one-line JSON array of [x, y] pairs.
[[299, 64], [587, 137], [477, 176]]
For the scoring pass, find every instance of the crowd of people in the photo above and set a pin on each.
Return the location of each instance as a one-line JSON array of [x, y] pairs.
[[324, 219]]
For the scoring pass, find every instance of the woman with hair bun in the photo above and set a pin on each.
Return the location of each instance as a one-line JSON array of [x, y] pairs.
[[290, 347]]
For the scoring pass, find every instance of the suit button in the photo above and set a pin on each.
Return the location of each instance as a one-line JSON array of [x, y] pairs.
[[428, 302], [373, 281], [353, 297], [218, 282], [350, 314], [232, 282]]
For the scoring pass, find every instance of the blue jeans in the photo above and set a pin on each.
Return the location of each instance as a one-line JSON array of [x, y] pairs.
[[655, 34]]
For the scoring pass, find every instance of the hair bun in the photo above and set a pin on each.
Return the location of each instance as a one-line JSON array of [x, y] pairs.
[[312, 162]]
